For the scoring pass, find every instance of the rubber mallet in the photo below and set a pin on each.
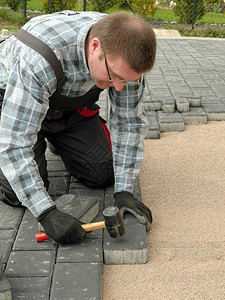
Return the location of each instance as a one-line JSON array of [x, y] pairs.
[[113, 222]]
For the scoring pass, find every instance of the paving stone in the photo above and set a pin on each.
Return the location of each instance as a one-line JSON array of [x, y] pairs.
[[193, 100], [6, 241], [76, 184], [153, 130], [27, 284], [30, 263], [26, 240], [84, 209], [215, 112], [0, 262], [195, 115], [8, 234], [58, 186], [56, 165], [5, 290], [168, 105], [132, 247], [203, 91], [153, 104], [89, 250], [170, 122], [73, 281], [6, 249], [10, 217], [182, 104], [180, 90], [42, 295], [86, 193]]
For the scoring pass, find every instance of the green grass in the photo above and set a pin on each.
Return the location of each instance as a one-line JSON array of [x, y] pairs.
[[168, 15], [11, 16], [35, 5], [163, 14], [212, 18]]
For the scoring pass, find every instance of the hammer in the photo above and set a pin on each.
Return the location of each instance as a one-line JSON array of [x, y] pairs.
[[113, 222]]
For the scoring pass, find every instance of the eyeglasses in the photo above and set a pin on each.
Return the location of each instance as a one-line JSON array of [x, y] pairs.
[[138, 81]]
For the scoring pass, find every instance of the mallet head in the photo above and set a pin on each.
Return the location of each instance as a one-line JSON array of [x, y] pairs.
[[114, 221]]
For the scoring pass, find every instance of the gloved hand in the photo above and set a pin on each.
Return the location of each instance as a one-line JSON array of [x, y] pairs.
[[125, 201], [61, 227]]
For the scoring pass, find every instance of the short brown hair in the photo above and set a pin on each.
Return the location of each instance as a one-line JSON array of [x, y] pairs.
[[129, 36]]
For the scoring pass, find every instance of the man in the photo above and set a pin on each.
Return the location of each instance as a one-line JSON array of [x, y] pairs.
[[96, 52]]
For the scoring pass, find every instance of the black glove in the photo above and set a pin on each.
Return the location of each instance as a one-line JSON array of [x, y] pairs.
[[125, 201], [61, 227]]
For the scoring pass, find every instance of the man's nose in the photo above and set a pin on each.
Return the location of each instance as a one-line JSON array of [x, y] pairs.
[[119, 85]]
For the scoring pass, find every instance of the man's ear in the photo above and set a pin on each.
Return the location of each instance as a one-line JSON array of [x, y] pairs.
[[95, 44]]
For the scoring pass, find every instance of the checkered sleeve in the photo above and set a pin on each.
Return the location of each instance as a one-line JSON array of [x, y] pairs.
[[24, 107], [128, 128]]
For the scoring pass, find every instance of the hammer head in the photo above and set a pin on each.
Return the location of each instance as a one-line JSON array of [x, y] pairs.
[[114, 221]]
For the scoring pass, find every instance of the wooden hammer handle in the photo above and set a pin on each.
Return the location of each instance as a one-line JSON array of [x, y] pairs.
[[93, 226], [87, 227]]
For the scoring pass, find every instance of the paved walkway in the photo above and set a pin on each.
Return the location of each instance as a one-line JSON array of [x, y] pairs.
[[186, 86], [166, 33]]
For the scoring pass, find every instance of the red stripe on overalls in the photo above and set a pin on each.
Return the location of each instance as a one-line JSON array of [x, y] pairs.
[[90, 113]]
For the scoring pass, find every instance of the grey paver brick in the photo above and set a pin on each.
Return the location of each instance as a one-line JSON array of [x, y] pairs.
[[89, 250], [86, 193], [195, 115], [5, 290], [30, 263], [154, 129], [6, 241], [0, 262], [131, 248], [182, 104], [153, 104], [193, 100], [6, 249], [27, 284], [72, 281], [56, 165], [10, 217], [215, 112], [168, 105], [84, 209], [171, 122], [25, 239], [29, 295], [58, 186]]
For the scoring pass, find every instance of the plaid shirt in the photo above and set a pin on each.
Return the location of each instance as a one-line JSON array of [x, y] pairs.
[[29, 81]]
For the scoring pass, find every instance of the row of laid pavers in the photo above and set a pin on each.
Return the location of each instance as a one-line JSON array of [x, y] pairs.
[[49, 271], [186, 86]]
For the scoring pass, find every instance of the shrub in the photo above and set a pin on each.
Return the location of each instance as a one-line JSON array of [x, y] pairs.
[[99, 5], [14, 4], [58, 5], [185, 10], [144, 7]]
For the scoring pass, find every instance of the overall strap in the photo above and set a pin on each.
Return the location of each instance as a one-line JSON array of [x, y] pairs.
[[43, 49], [57, 102]]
